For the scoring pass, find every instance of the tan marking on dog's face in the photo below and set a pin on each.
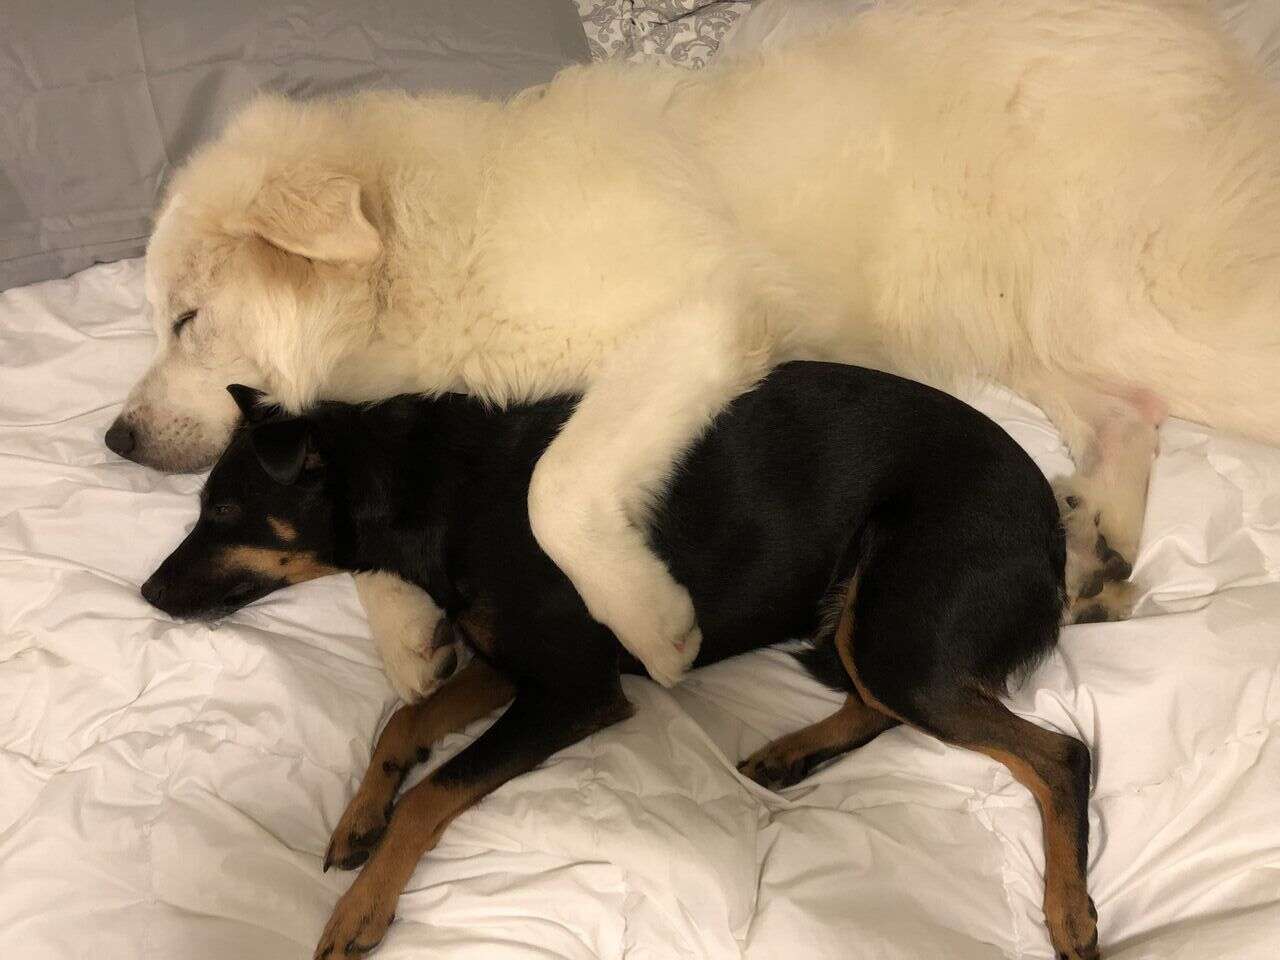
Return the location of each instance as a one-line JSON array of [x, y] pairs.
[[283, 529], [292, 566]]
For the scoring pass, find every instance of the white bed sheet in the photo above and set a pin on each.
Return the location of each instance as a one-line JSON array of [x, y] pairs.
[[168, 789]]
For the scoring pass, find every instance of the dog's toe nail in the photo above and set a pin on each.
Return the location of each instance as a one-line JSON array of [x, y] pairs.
[[1073, 502]]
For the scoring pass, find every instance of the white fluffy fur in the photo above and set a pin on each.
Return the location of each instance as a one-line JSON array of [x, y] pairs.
[[1079, 198], [403, 619]]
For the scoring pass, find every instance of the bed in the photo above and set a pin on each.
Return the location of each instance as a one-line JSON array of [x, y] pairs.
[[169, 788]]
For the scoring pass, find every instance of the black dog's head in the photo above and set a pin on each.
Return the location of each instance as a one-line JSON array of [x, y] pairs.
[[266, 520]]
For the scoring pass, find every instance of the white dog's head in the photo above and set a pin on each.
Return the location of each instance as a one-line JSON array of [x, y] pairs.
[[258, 272]]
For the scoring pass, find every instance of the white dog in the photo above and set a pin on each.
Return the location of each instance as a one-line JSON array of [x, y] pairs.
[[1078, 198]]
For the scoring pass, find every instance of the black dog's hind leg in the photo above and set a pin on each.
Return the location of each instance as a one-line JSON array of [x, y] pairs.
[[474, 691], [790, 759], [953, 706], [1055, 769], [535, 726]]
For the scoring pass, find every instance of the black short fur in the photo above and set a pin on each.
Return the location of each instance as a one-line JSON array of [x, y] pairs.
[[956, 530], [903, 530]]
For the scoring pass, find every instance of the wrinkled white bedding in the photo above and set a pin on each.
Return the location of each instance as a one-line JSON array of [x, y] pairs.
[[168, 788]]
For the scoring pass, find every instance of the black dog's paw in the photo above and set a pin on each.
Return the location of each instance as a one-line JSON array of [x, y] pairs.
[[360, 920], [358, 834], [775, 769]]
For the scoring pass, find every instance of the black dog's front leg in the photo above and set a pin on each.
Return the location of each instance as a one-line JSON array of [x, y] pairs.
[[471, 693], [536, 725]]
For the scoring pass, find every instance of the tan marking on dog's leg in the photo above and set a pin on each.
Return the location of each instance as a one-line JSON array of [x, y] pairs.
[[361, 917], [789, 759], [533, 728], [474, 691], [292, 566], [283, 529], [844, 647], [1039, 762], [1046, 763]]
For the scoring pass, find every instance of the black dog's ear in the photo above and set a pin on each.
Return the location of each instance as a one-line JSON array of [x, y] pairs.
[[250, 403], [284, 449]]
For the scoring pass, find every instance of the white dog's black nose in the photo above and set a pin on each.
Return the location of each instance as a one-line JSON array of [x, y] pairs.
[[121, 439]]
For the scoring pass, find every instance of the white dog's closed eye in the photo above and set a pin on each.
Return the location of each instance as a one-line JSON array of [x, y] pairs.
[[182, 320]]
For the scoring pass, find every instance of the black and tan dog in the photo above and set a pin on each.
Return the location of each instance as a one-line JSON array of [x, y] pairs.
[[903, 531]]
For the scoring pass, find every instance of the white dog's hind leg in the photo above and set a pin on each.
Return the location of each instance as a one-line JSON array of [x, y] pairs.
[[1112, 436], [590, 494], [403, 622]]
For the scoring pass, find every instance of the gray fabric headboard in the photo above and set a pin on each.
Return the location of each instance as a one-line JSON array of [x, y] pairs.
[[100, 98]]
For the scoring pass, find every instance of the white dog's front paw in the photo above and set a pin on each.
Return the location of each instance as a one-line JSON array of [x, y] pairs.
[[414, 671], [417, 645], [663, 636]]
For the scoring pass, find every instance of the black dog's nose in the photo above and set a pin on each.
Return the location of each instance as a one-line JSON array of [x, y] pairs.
[[153, 592], [120, 439]]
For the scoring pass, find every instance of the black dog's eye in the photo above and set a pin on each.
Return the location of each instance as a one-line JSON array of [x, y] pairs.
[[225, 511], [183, 320]]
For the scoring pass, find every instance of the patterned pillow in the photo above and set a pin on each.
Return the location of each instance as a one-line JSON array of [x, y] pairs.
[[682, 32]]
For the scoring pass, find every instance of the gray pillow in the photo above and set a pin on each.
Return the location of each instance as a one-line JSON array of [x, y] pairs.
[[100, 98]]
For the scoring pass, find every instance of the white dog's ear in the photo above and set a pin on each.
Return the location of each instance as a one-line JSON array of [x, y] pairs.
[[314, 214]]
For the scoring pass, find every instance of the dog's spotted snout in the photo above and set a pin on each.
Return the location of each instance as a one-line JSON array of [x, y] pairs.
[[121, 439]]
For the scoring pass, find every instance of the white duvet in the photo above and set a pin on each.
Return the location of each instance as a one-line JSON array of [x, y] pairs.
[[167, 789]]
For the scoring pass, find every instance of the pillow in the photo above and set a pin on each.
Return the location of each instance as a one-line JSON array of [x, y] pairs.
[[99, 99], [685, 33]]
